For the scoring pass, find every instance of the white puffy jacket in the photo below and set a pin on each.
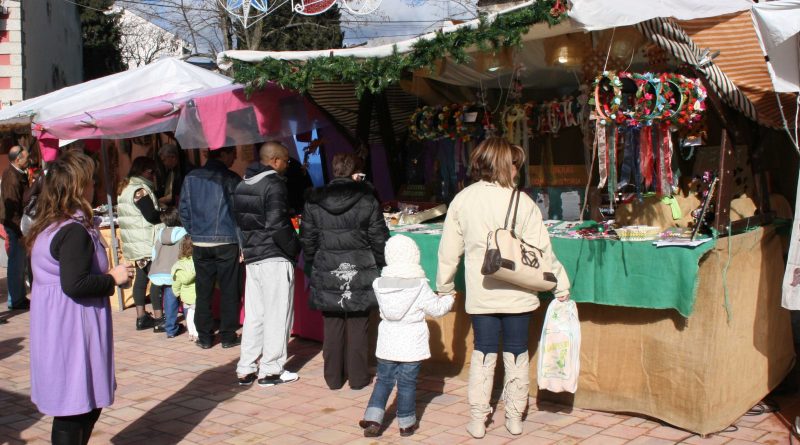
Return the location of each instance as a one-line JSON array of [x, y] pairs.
[[404, 303]]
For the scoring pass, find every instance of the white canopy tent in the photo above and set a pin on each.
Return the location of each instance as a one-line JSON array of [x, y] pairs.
[[165, 78]]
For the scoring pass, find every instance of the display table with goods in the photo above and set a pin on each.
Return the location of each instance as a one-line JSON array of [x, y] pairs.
[[685, 335]]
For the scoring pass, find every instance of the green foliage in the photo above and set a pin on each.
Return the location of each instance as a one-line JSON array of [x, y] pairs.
[[375, 74], [286, 31], [101, 39]]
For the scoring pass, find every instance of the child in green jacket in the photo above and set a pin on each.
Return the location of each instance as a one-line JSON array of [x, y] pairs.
[[183, 276]]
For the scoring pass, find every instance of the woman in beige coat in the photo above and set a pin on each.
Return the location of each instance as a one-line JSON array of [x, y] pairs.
[[494, 306]]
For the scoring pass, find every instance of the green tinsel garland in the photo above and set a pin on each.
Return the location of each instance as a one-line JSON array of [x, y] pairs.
[[376, 73]]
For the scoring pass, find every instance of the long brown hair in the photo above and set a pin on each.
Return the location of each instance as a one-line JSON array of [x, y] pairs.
[[493, 161], [62, 193], [138, 167]]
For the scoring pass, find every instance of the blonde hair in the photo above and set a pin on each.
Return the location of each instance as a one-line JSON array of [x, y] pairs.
[[493, 161], [62, 193]]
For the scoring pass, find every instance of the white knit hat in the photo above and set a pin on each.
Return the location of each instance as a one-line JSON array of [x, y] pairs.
[[402, 258]]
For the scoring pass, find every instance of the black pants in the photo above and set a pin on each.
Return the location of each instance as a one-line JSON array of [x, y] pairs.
[[140, 289], [218, 264], [74, 430], [345, 349]]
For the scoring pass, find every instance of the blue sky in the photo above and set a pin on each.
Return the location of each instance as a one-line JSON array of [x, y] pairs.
[[393, 20]]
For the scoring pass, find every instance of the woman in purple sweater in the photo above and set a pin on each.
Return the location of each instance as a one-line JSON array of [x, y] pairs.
[[72, 350]]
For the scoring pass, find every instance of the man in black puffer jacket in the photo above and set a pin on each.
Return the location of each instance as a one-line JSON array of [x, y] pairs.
[[343, 234], [270, 247]]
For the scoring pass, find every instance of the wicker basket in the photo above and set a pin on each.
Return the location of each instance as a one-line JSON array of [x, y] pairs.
[[638, 233]]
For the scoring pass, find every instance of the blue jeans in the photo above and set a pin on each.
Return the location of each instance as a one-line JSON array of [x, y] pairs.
[[487, 328], [17, 262], [389, 372], [170, 310]]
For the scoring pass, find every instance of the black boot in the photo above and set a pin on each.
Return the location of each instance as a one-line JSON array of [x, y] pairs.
[[146, 321], [160, 324]]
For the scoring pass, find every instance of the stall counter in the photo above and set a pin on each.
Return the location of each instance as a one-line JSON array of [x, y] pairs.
[[699, 373]]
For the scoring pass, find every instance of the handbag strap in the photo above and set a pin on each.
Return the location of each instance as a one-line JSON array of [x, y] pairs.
[[515, 205]]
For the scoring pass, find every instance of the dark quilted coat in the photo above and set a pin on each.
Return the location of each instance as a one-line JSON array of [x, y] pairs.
[[343, 234]]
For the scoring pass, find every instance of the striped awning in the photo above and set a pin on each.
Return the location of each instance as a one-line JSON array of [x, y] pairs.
[[739, 74], [340, 101]]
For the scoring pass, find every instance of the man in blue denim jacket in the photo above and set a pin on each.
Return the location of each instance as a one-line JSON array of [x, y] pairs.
[[206, 210]]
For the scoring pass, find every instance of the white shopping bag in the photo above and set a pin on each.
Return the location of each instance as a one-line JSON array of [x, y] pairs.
[[560, 348], [791, 276]]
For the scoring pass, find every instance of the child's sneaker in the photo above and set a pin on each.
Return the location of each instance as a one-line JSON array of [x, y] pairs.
[[371, 429], [405, 432], [272, 380]]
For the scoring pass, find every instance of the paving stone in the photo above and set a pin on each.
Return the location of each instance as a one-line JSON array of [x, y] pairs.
[[170, 392]]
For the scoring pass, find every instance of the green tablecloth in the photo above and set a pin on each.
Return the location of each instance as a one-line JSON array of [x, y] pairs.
[[631, 274], [616, 273]]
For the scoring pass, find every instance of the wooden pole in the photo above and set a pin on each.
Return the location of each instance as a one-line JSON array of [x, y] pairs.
[[726, 158], [112, 226]]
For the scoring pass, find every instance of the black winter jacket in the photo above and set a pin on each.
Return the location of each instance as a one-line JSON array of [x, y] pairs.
[[343, 234], [260, 206]]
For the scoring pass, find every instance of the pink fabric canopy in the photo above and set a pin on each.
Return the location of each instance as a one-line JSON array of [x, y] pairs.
[[210, 118]]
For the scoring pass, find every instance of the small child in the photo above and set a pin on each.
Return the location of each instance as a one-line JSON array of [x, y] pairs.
[[165, 254], [183, 284], [404, 297]]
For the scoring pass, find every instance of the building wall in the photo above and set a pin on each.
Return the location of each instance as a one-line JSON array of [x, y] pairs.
[[51, 46], [144, 42], [10, 54]]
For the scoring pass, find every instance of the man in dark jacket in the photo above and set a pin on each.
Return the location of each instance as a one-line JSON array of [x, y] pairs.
[[171, 172], [206, 210], [343, 234], [13, 188], [270, 246]]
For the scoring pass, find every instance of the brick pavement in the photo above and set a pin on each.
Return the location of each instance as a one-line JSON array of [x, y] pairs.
[[170, 391]]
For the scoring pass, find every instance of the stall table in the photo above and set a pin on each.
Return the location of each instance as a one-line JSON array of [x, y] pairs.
[[699, 372]]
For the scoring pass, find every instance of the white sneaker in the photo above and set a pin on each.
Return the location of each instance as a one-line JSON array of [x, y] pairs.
[[272, 380]]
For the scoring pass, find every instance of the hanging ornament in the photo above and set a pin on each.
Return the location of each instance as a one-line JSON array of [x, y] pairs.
[[248, 12], [312, 7], [361, 7]]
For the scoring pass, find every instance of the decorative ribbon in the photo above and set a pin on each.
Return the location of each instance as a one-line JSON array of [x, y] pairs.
[[602, 151], [612, 164], [630, 170], [646, 155], [666, 157]]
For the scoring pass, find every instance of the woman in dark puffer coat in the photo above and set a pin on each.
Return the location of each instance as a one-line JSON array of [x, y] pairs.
[[343, 234]]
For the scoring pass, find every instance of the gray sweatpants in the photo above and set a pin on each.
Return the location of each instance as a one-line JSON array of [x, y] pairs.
[[268, 316]]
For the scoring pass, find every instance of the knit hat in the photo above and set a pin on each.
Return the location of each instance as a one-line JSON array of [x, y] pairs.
[[402, 258]]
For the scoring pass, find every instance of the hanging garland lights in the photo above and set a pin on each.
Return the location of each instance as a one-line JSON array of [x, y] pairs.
[[374, 74]]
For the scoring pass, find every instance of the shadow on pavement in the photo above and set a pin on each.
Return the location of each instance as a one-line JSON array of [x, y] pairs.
[[168, 422]]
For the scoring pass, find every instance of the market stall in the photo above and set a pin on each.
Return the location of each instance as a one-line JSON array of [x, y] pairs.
[[200, 109], [643, 125]]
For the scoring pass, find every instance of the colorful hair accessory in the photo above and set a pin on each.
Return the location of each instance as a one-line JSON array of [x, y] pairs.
[[607, 111]]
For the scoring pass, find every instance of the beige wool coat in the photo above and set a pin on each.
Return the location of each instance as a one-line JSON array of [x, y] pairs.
[[476, 211]]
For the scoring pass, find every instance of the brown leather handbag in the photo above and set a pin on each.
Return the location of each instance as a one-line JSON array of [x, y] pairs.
[[509, 258]]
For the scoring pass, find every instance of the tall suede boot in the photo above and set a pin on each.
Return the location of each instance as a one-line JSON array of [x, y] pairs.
[[479, 391], [515, 389]]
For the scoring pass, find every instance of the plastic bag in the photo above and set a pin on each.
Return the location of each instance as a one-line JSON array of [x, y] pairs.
[[560, 348]]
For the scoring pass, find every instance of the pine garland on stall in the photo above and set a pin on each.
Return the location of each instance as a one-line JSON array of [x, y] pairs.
[[374, 74]]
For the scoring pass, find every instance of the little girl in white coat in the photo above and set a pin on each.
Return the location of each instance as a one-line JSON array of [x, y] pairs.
[[405, 298]]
